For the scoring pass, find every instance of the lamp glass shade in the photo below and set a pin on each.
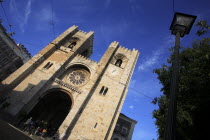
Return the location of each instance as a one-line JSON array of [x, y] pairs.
[[182, 23], [183, 20]]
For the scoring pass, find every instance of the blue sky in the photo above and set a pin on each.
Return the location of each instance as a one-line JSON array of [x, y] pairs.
[[140, 24]]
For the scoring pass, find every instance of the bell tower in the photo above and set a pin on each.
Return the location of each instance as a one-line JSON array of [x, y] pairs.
[[23, 85], [77, 96], [100, 112]]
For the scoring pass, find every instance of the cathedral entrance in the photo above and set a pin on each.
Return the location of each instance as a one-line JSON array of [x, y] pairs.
[[50, 111]]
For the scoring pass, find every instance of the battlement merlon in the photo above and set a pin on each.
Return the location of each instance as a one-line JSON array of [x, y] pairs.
[[114, 44], [124, 50], [135, 51], [85, 59]]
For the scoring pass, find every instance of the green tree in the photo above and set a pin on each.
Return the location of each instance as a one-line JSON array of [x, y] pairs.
[[193, 98]]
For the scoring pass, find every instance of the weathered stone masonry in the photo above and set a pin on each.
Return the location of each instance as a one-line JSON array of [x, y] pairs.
[[96, 90]]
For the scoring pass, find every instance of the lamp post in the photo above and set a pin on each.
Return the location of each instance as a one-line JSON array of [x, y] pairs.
[[181, 25]]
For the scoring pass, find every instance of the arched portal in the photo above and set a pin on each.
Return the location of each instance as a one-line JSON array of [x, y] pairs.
[[52, 109]]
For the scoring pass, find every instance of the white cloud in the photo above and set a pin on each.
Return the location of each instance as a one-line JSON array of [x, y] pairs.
[[155, 56], [150, 61], [169, 41], [131, 106], [45, 14], [21, 17], [44, 19], [27, 14]]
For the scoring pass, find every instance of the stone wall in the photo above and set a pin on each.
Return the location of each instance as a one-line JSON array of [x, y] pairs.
[[94, 111]]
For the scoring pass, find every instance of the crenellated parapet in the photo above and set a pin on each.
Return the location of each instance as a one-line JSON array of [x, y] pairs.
[[82, 33], [92, 41], [81, 58], [135, 51], [114, 43], [124, 50]]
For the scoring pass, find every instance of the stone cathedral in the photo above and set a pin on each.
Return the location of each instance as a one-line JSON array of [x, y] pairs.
[[80, 98]]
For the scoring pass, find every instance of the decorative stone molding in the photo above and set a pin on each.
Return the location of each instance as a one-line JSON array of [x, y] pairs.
[[67, 85]]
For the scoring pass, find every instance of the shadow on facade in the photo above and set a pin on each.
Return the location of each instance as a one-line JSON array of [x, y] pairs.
[[42, 115]]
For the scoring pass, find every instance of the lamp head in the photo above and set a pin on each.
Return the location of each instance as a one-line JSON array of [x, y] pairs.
[[182, 23]]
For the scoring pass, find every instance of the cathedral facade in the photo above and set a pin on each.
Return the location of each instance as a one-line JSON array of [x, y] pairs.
[[80, 98]]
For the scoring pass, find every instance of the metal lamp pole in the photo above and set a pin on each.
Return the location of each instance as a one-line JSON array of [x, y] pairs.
[[180, 26], [171, 116]]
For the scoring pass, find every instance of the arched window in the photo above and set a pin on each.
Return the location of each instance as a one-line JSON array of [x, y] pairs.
[[118, 62], [71, 46]]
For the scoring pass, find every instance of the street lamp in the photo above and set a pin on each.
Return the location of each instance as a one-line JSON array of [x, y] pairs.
[[181, 25]]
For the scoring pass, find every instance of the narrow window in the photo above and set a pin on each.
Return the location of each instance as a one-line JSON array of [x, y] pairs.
[[48, 65], [124, 131], [5, 48], [95, 125], [5, 61], [12, 54], [118, 62], [102, 90], [105, 91], [71, 46]]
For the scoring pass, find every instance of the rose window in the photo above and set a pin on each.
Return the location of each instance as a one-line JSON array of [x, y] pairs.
[[77, 77]]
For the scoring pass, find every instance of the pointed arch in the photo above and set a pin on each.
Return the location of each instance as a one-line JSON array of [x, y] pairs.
[[119, 60]]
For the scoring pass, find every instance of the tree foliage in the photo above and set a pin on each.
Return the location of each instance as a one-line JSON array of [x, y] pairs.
[[203, 27], [193, 97]]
